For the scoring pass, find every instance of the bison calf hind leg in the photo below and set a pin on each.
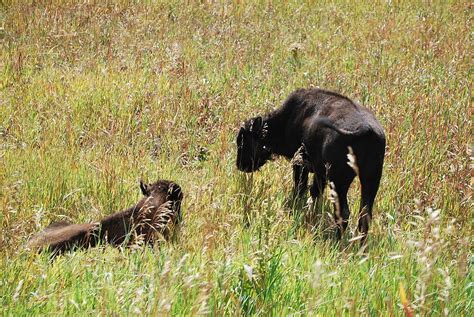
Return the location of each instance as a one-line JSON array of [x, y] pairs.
[[370, 175], [369, 190], [342, 181]]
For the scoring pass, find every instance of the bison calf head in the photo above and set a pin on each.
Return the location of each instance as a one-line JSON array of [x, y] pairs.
[[161, 192], [252, 152]]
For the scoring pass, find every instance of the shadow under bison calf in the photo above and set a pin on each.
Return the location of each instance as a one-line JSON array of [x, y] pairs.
[[153, 217]]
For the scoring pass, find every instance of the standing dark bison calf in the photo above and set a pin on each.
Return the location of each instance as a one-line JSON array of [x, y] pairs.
[[323, 125], [154, 214]]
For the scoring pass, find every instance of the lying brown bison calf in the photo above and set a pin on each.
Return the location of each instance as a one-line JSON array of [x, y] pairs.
[[154, 215], [323, 125]]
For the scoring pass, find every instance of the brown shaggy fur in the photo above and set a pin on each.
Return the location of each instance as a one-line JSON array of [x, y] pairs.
[[153, 217]]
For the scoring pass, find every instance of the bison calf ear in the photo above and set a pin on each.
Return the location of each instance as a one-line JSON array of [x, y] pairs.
[[256, 125], [174, 192], [259, 128], [145, 188]]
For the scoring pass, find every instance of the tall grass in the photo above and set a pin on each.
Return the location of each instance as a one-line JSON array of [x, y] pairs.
[[96, 95]]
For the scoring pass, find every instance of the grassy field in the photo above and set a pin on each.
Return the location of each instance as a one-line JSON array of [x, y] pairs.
[[94, 97]]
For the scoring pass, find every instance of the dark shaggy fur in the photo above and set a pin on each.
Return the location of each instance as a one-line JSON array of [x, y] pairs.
[[153, 215], [322, 125]]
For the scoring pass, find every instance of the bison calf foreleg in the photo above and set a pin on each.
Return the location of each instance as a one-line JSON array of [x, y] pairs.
[[301, 166], [300, 178], [317, 188]]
